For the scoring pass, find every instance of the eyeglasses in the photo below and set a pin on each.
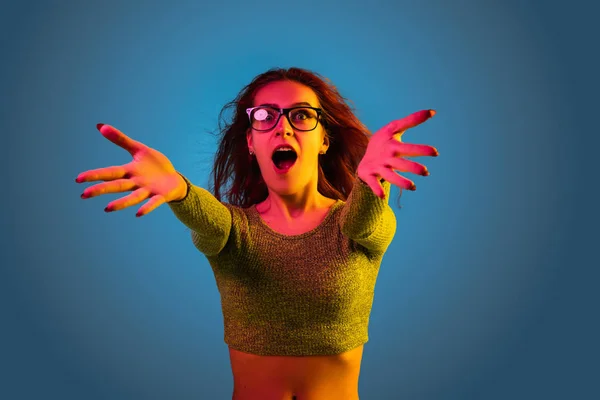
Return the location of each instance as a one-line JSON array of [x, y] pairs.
[[265, 118]]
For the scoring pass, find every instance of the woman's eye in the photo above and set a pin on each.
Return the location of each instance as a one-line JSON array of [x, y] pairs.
[[300, 115], [264, 115], [260, 114]]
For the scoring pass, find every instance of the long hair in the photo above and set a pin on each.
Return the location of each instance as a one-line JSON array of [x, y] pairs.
[[348, 138]]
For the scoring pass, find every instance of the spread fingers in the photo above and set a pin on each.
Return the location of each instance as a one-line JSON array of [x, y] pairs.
[[116, 186], [404, 165], [132, 199], [102, 174]]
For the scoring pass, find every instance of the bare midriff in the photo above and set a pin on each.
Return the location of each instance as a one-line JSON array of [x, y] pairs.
[[332, 377]]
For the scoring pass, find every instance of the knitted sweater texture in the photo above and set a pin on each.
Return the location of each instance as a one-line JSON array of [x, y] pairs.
[[293, 295]]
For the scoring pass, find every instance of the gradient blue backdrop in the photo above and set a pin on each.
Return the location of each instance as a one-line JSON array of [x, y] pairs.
[[487, 291]]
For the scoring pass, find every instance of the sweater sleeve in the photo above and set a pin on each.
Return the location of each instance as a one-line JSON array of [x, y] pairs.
[[367, 219], [209, 220]]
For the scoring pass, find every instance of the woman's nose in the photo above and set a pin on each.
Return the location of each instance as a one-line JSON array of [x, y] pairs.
[[283, 126]]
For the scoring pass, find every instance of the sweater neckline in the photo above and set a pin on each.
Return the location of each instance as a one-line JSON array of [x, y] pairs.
[[260, 222]]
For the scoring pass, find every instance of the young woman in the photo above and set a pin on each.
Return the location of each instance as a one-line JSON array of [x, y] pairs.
[[297, 247]]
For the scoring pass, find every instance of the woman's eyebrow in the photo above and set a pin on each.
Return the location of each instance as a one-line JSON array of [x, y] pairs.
[[302, 103]]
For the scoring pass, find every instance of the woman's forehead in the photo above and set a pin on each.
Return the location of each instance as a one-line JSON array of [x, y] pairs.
[[285, 93]]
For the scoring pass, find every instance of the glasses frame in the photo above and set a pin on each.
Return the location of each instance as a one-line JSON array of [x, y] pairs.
[[286, 112]]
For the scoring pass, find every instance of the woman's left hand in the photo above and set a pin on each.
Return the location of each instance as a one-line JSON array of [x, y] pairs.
[[386, 151]]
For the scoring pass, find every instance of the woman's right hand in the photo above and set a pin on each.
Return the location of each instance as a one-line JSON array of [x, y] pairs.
[[150, 176]]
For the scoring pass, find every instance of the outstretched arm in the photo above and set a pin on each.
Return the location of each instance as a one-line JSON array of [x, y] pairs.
[[151, 176], [209, 220], [367, 218]]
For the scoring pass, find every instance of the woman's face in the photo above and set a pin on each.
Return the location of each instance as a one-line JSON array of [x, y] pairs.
[[303, 174]]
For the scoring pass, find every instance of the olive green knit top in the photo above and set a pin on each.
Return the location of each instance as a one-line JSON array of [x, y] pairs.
[[293, 295]]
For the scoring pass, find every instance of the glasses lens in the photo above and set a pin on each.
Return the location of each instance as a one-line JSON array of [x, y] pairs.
[[304, 119], [264, 118]]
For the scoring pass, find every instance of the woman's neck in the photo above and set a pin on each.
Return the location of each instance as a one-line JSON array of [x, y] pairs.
[[285, 210]]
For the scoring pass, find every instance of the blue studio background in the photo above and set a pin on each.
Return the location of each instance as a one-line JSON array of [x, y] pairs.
[[487, 291]]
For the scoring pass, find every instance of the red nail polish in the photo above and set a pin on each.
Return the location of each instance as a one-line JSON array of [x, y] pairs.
[[431, 113], [413, 187], [106, 209], [99, 126]]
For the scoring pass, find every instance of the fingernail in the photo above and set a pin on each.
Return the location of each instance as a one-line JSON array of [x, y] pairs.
[[431, 113], [426, 173], [106, 209], [435, 153], [138, 215], [99, 126], [83, 196], [413, 187], [77, 179]]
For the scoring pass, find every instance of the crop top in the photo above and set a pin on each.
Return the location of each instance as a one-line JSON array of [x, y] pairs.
[[293, 295]]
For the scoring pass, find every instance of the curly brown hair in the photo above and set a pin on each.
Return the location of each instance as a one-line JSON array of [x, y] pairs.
[[348, 138]]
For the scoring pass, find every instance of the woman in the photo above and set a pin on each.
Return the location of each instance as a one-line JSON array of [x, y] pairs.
[[296, 249]]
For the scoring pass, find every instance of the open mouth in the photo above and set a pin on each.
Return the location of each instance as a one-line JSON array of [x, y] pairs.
[[284, 159]]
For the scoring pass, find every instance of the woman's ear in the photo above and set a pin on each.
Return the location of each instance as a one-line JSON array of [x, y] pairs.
[[325, 145], [249, 138]]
